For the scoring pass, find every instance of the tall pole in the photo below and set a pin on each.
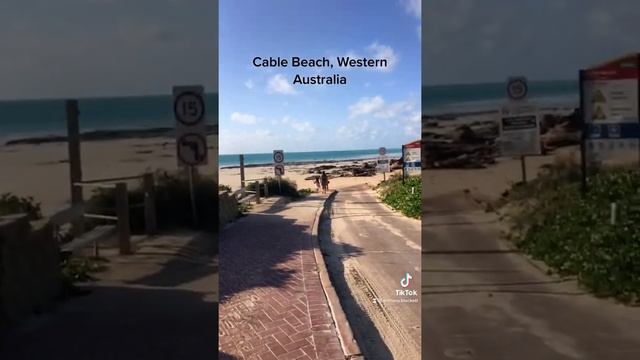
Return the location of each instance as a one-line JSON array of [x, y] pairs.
[[75, 161], [241, 171], [583, 137]]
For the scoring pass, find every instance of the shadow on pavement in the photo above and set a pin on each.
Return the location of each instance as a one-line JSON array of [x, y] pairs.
[[254, 250], [194, 261], [364, 330], [120, 323]]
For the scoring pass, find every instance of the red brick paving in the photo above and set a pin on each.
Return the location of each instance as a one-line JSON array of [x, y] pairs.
[[272, 303]]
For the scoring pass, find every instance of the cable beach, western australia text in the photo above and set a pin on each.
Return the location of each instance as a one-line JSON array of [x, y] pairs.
[[342, 62]]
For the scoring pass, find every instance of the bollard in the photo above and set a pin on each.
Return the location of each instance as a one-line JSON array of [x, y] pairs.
[[266, 188], [257, 188]]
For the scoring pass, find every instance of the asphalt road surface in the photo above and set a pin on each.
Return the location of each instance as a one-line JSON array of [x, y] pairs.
[[481, 300], [371, 249]]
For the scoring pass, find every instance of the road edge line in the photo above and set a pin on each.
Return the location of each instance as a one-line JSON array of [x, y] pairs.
[[349, 345]]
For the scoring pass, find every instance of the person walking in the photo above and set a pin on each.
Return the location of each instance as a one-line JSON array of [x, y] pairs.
[[324, 179], [317, 183]]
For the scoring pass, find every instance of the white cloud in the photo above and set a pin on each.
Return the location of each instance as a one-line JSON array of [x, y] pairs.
[[233, 142], [377, 51], [380, 51], [245, 119], [304, 127], [413, 7], [376, 106], [280, 85], [366, 106], [299, 126], [249, 84]]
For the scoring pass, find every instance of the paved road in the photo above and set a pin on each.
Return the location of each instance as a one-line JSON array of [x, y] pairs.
[[483, 301], [160, 303], [371, 250], [272, 305]]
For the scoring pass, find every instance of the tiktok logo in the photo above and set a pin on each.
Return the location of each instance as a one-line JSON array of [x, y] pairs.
[[406, 280]]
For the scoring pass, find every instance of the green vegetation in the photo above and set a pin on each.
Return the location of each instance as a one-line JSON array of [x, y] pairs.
[[222, 187], [286, 188], [173, 203], [553, 222], [12, 204], [80, 269], [405, 197]]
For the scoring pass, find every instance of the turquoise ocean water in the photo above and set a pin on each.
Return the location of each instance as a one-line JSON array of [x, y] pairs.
[[30, 118], [304, 157], [440, 99]]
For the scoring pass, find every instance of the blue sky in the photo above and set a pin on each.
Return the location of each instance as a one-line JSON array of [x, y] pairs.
[[260, 108], [86, 48], [470, 41]]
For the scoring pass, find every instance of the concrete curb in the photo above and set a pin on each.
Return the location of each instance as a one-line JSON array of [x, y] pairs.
[[349, 345]]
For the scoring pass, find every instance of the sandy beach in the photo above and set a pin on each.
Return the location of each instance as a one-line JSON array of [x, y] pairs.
[[42, 170], [297, 173], [491, 179]]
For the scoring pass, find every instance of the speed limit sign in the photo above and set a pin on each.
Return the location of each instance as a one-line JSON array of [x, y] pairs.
[[188, 106], [191, 135], [278, 156]]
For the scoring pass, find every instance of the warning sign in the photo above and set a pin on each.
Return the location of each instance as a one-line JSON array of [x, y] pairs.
[[610, 108], [519, 132], [598, 97]]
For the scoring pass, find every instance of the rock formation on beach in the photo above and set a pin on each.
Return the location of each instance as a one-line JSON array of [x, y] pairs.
[[453, 144], [366, 168]]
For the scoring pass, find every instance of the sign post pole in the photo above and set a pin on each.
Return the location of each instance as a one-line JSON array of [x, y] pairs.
[[524, 169], [191, 135], [583, 137], [404, 160], [192, 194]]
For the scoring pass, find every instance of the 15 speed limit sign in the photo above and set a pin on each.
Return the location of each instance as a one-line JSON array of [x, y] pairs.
[[191, 135]]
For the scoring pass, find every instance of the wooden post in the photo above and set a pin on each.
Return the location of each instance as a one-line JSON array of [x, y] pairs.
[[242, 172], [150, 220], [524, 169], [257, 188], [266, 188], [122, 212], [75, 161]]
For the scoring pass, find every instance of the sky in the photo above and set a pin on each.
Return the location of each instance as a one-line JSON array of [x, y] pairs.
[[261, 110], [471, 41], [92, 48]]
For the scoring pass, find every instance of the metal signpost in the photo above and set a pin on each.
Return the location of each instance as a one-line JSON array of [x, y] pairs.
[[191, 136], [278, 166], [519, 124], [609, 103], [383, 163]]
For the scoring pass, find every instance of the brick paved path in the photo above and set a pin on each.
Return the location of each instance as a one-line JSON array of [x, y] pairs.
[[272, 305]]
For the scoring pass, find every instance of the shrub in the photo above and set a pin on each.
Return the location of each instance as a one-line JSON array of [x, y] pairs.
[[12, 204], [405, 197], [286, 187], [173, 203], [571, 232]]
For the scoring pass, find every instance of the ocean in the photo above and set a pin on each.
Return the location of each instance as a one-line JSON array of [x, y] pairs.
[[305, 157], [31, 118], [444, 99]]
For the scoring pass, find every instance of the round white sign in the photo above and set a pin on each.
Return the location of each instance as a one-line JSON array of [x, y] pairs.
[[517, 88], [278, 156], [192, 149], [188, 108]]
